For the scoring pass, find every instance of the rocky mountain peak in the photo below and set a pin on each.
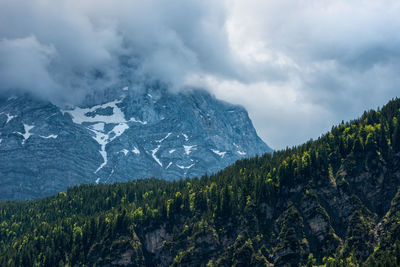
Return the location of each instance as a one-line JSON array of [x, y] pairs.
[[119, 135]]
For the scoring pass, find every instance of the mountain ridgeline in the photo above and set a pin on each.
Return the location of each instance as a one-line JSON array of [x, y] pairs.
[[118, 135], [332, 201]]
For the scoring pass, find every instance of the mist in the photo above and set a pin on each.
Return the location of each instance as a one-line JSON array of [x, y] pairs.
[[297, 67], [64, 50]]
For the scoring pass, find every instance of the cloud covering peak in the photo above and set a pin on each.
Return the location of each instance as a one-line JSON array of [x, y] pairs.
[[66, 48], [298, 67]]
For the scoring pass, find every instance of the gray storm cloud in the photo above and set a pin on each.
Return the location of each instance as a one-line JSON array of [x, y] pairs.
[[297, 66], [63, 50]]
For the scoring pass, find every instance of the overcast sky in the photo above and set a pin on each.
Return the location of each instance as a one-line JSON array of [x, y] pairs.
[[298, 67]]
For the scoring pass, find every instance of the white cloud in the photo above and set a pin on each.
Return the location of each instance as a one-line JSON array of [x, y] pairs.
[[312, 64], [297, 67], [24, 63]]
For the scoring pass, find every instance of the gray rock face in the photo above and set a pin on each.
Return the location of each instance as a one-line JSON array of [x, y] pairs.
[[117, 136]]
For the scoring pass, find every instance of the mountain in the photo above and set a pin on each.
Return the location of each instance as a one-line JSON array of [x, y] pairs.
[[333, 201], [118, 135]]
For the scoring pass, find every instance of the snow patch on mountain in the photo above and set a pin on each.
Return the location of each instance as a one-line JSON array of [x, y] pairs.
[[98, 126], [162, 139], [219, 153], [54, 136], [188, 149], [125, 151], [27, 133], [185, 167], [118, 130], [9, 117], [136, 150], [153, 154], [133, 119], [79, 114], [103, 139], [239, 151]]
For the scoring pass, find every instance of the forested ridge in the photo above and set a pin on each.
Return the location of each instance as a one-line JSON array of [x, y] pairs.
[[333, 201]]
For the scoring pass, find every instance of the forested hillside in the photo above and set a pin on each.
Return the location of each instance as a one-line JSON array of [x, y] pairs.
[[332, 201]]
